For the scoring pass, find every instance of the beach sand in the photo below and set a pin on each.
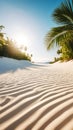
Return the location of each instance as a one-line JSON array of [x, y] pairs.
[[36, 97]]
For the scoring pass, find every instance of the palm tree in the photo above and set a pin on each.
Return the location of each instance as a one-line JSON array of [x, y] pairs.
[[2, 40], [63, 34]]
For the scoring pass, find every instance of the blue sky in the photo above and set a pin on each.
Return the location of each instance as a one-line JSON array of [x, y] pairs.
[[27, 22]]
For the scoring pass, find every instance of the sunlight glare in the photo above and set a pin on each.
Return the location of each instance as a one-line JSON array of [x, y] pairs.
[[22, 40]]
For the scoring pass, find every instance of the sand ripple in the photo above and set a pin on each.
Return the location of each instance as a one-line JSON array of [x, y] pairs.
[[39, 98]]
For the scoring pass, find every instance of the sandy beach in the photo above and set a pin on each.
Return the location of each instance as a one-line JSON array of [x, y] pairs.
[[36, 97]]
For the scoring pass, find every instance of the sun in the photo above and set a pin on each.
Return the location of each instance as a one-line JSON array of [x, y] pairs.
[[22, 39]]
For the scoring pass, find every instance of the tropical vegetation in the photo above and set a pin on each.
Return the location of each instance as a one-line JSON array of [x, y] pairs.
[[62, 35], [9, 49]]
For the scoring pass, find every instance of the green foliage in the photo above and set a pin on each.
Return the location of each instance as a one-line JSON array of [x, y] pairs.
[[67, 51], [1, 27], [9, 49], [2, 40], [59, 51], [59, 35], [64, 13], [63, 34]]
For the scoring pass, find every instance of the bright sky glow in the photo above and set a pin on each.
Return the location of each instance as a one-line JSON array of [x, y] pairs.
[[27, 22], [22, 39]]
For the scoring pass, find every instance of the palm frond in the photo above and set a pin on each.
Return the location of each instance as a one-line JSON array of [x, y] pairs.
[[58, 35], [64, 13]]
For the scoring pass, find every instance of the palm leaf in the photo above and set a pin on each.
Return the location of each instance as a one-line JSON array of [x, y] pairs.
[[64, 13], [59, 35]]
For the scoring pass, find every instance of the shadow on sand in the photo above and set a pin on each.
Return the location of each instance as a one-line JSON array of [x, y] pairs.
[[11, 65]]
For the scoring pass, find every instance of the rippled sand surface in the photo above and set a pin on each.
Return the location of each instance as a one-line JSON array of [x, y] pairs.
[[37, 98]]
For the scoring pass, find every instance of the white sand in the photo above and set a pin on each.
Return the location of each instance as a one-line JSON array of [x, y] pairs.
[[36, 97]]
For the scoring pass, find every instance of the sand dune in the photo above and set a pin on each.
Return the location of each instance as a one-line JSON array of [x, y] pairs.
[[37, 98]]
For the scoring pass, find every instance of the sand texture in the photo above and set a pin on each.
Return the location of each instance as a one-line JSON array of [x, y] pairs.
[[38, 97]]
